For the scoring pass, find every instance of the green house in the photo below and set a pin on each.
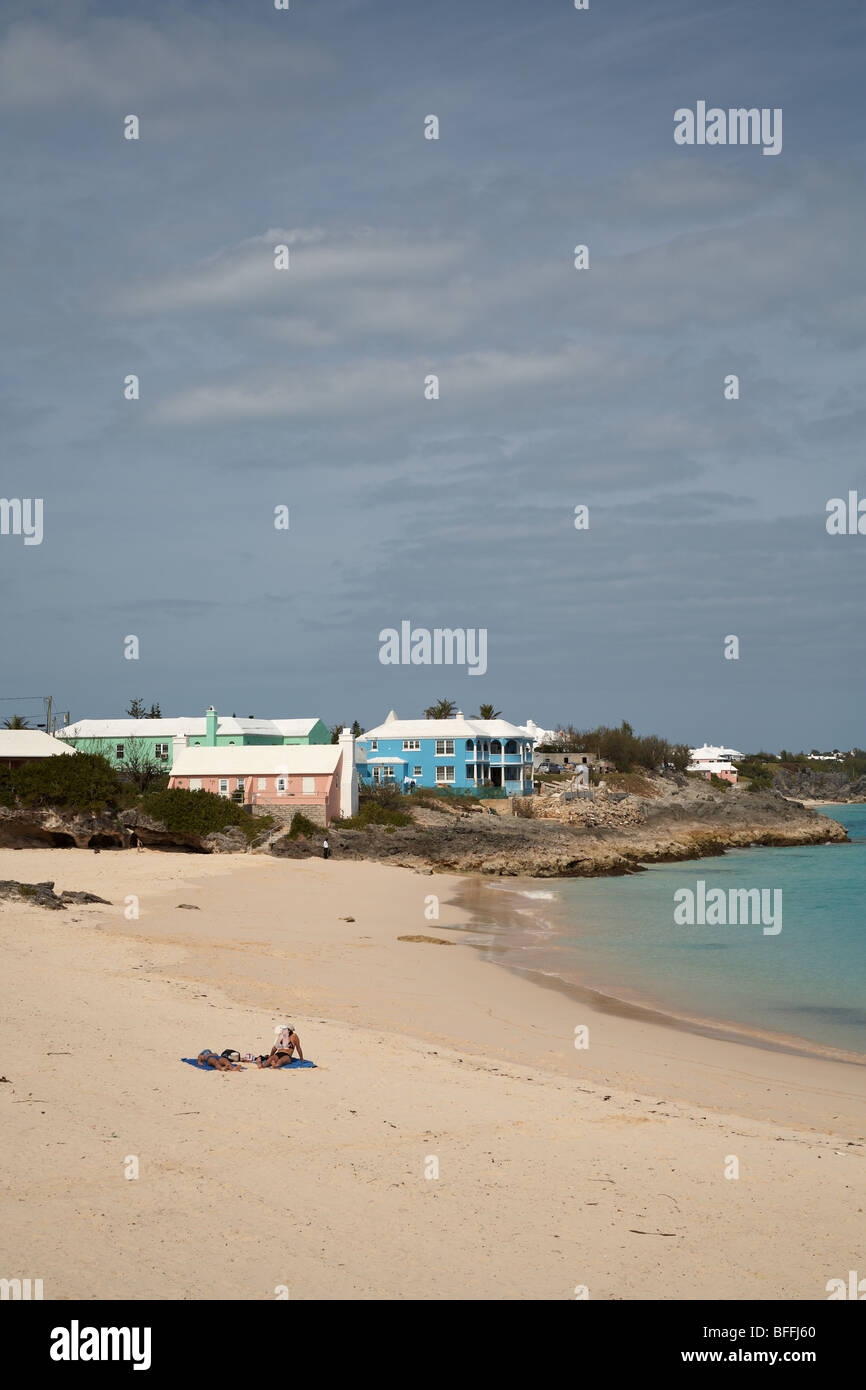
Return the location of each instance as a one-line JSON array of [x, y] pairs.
[[135, 742]]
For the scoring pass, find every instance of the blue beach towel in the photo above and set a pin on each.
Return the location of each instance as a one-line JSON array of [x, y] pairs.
[[293, 1066]]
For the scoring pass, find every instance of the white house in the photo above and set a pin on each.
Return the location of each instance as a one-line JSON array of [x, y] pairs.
[[24, 745]]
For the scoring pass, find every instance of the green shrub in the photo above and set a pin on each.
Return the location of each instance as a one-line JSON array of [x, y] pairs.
[[435, 796], [198, 813], [758, 774], [302, 827], [385, 794], [371, 812], [622, 747], [81, 782]]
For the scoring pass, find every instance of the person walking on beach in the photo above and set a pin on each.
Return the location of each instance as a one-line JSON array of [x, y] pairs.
[[325, 849]]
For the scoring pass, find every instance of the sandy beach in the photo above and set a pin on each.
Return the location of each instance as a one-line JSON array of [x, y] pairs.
[[452, 1141]]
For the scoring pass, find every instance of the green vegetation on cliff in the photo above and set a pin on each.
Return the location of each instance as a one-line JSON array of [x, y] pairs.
[[200, 813], [83, 782], [624, 748]]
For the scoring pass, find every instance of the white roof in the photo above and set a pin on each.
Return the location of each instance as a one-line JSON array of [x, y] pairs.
[[533, 731], [242, 761], [169, 728], [30, 743], [709, 753], [294, 728], [458, 727], [717, 766]]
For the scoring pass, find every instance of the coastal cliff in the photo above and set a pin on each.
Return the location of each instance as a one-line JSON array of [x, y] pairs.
[[664, 819], [631, 822]]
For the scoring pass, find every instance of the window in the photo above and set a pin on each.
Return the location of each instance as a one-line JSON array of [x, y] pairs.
[[411, 745], [281, 785], [469, 745], [161, 752], [308, 786], [195, 784], [445, 773], [118, 751], [262, 783], [444, 747], [239, 783], [374, 745], [417, 770], [224, 786]]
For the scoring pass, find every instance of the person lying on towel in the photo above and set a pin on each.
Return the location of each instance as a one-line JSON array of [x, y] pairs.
[[286, 1044], [210, 1059]]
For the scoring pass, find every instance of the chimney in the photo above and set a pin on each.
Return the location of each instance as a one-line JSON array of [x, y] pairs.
[[348, 775], [210, 728]]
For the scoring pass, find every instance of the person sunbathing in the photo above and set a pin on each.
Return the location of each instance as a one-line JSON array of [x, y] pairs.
[[210, 1059], [281, 1054]]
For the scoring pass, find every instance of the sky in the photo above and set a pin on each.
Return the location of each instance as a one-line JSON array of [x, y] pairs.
[[304, 388]]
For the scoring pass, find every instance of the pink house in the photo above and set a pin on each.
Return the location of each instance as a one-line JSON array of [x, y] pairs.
[[296, 776], [726, 773]]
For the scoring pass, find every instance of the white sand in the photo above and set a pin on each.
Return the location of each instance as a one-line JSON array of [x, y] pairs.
[[557, 1167]]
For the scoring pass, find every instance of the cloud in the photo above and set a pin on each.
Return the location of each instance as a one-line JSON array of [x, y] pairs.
[[114, 63], [375, 384], [246, 275]]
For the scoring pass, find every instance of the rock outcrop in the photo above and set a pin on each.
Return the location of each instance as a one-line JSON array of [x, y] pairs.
[[808, 784], [43, 895], [621, 828], [36, 827], [683, 818]]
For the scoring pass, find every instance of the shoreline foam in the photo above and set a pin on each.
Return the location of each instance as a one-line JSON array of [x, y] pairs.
[[487, 918]]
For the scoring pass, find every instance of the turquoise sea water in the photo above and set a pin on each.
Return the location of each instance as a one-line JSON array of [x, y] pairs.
[[809, 981]]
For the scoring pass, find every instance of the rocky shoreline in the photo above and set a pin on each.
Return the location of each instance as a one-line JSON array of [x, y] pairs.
[[676, 823], [666, 819]]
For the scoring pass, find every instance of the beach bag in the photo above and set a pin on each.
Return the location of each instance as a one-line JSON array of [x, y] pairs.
[[231, 1054]]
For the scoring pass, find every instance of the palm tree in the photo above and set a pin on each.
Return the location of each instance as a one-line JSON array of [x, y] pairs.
[[488, 712], [443, 709], [16, 722]]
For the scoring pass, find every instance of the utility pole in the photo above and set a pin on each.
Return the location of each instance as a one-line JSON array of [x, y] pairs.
[[48, 729]]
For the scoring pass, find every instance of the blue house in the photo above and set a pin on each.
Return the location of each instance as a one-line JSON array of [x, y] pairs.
[[463, 755]]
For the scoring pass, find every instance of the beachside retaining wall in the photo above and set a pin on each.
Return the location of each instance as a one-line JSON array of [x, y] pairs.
[[314, 811]]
